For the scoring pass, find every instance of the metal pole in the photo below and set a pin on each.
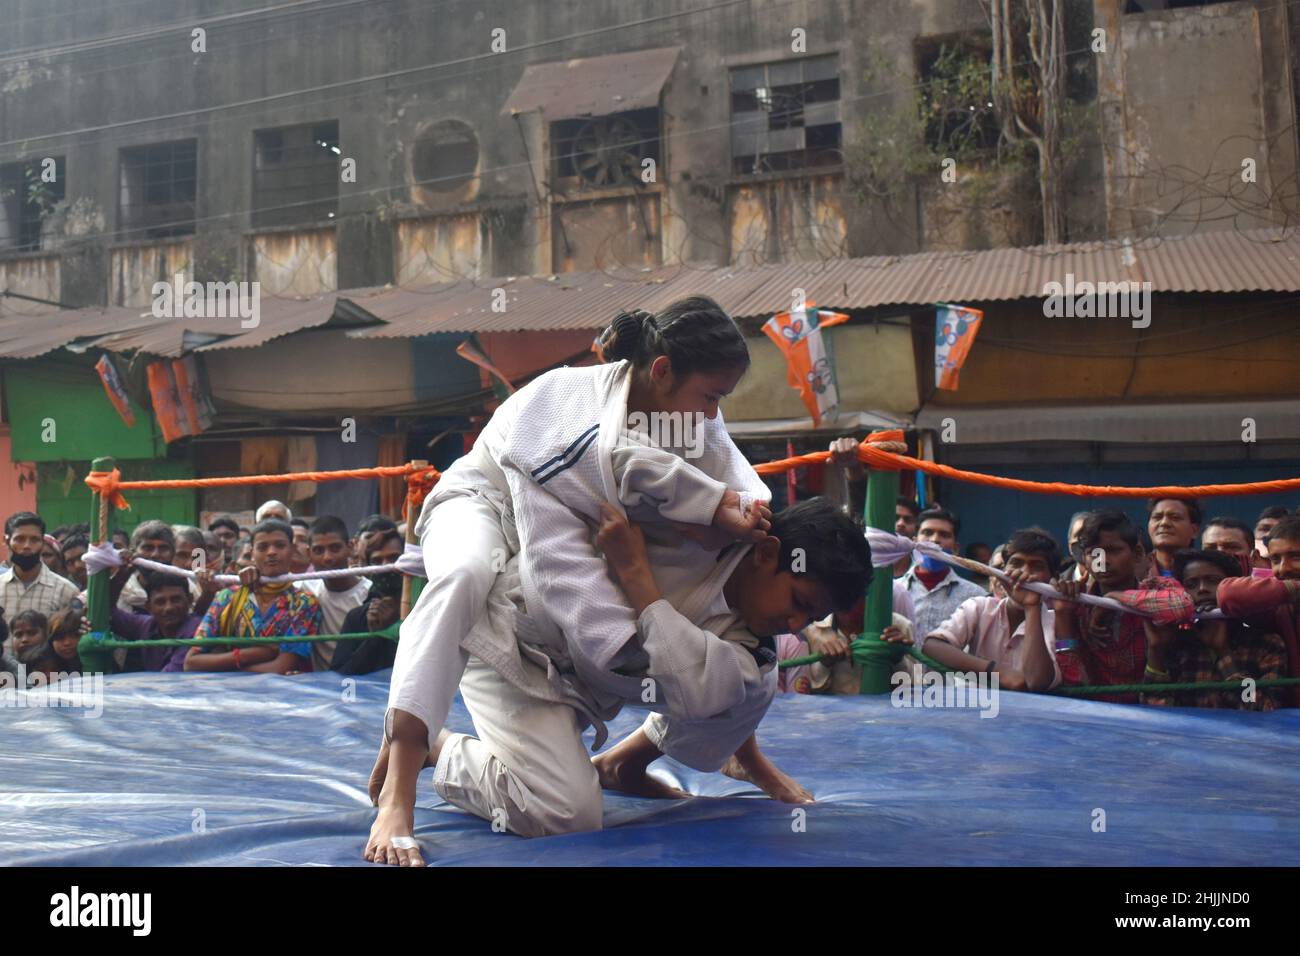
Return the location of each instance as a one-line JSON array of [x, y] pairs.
[[95, 659], [882, 493], [409, 593]]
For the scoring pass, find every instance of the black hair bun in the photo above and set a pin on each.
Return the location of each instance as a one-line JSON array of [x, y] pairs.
[[622, 340], [627, 325]]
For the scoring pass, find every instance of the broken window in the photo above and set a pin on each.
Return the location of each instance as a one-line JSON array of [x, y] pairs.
[[602, 152], [956, 95], [157, 189], [786, 115], [296, 174], [28, 193], [445, 157]]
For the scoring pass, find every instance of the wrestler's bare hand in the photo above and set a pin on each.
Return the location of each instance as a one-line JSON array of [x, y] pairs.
[[622, 543], [742, 524]]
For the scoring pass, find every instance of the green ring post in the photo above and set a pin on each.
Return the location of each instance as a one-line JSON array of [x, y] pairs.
[[879, 657], [94, 658]]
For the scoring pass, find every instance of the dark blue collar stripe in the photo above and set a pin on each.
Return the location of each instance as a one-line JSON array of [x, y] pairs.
[[565, 454], [571, 462]]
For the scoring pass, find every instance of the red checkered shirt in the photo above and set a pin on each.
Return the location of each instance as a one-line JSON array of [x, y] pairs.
[[1112, 647]]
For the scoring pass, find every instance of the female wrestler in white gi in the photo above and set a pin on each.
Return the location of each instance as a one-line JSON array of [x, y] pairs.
[[567, 433]]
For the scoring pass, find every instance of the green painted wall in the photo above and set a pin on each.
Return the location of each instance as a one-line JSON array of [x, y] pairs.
[[86, 425], [63, 498]]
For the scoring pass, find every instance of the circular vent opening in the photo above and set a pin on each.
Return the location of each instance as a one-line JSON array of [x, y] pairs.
[[445, 156]]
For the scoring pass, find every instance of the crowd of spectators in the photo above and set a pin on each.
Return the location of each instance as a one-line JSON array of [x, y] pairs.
[[43, 595], [974, 624]]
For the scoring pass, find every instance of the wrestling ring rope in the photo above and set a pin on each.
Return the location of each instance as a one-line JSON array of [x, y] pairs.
[[881, 452]]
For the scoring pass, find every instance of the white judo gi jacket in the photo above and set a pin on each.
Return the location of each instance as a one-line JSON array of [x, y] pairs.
[[552, 453]]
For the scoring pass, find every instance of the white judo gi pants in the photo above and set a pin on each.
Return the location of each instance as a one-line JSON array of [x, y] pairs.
[[458, 543], [529, 772]]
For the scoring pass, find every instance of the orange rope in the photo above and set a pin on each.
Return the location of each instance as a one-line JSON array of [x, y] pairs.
[[818, 457], [888, 461], [384, 471], [421, 480], [885, 460], [107, 483], [418, 486], [110, 483]]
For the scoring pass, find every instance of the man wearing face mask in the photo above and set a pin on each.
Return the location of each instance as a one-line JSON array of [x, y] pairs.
[[28, 585], [935, 588]]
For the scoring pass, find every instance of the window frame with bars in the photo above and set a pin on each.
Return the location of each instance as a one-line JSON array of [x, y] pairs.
[[279, 204], [152, 217], [768, 139], [17, 205]]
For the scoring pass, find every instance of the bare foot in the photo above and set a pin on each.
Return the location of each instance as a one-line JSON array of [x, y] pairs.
[[391, 839], [776, 784], [392, 836], [733, 769], [380, 770], [616, 774]]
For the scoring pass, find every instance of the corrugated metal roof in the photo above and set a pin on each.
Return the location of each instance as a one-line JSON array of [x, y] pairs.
[[1218, 262], [116, 329], [595, 86], [278, 316], [1213, 262], [31, 336]]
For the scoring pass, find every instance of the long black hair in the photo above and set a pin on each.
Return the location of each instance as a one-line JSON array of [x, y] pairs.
[[695, 333]]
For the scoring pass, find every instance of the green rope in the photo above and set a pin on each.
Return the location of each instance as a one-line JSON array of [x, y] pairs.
[[868, 648], [99, 640], [1168, 688]]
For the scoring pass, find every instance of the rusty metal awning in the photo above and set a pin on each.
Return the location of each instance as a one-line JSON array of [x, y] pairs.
[[596, 86], [1222, 262]]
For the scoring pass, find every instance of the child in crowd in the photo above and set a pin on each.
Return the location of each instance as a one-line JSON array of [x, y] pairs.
[[1009, 636], [1212, 650], [59, 657], [30, 633]]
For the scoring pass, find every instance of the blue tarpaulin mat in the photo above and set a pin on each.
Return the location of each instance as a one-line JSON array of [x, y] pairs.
[[239, 769]]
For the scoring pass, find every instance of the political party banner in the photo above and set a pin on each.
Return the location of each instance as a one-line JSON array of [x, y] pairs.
[[955, 328], [115, 389], [809, 369]]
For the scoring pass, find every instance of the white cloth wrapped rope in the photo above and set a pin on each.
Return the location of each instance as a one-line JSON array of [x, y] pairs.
[[406, 564], [101, 557], [411, 561], [888, 548]]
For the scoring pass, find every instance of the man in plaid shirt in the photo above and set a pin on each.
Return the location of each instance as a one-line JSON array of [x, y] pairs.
[[1273, 603], [1096, 646], [1212, 650], [28, 585]]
